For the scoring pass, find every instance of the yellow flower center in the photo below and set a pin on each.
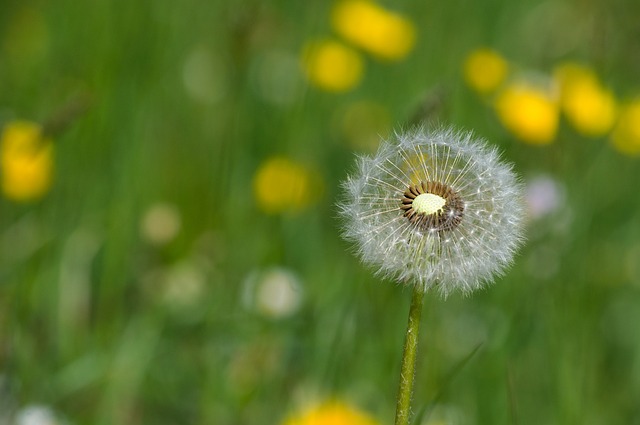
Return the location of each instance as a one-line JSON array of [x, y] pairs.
[[428, 203], [433, 206]]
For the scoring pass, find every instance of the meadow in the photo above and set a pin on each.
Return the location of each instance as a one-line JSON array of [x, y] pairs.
[[170, 247]]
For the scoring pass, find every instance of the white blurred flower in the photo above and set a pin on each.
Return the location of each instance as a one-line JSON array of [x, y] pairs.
[[543, 195], [36, 415], [275, 292], [436, 209], [160, 224]]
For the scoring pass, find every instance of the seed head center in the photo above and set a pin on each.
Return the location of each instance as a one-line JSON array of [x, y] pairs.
[[428, 203], [432, 206]]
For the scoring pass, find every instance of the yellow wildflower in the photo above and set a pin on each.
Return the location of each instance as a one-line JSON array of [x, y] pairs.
[[26, 161], [281, 185], [589, 107], [626, 134], [485, 70], [332, 413], [530, 113], [369, 26], [333, 66]]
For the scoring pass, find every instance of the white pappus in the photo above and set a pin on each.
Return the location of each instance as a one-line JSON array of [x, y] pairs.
[[435, 208]]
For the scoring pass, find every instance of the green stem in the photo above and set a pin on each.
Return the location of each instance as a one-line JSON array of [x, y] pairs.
[[407, 371]]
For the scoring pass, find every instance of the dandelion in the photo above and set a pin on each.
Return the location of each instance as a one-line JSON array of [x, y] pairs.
[[332, 66], [588, 106], [284, 186], [369, 26], [433, 209], [332, 413], [626, 134], [485, 69], [26, 160], [529, 112]]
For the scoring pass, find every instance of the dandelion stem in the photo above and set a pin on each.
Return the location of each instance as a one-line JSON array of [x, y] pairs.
[[408, 368]]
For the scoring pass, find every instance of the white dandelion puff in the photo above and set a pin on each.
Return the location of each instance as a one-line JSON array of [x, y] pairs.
[[435, 208]]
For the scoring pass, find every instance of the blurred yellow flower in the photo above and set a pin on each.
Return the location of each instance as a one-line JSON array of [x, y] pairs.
[[485, 70], [371, 27], [626, 134], [589, 107], [26, 160], [530, 113], [333, 66], [281, 185], [332, 413]]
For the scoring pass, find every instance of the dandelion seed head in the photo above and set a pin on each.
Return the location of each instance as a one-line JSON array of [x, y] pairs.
[[434, 208]]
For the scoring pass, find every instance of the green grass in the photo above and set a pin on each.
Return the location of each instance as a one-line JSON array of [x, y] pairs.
[[83, 331]]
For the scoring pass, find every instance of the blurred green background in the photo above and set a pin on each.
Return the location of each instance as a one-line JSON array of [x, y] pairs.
[[185, 266]]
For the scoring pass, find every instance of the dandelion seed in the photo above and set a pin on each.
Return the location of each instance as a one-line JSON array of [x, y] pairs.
[[435, 209]]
